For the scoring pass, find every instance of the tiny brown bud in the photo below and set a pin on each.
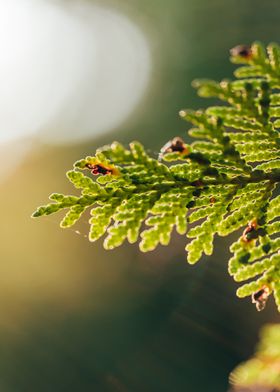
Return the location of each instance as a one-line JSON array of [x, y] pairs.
[[97, 169], [260, 297], [243, 51], [175, 145], [248, 233]]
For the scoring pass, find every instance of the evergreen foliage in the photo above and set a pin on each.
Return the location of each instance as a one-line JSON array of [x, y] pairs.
[[262, 372], [223, 182]]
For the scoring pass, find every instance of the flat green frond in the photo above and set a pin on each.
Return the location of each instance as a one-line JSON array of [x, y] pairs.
[[80, 181], [226, 181], [204, 232], [129, 217], [72, 216], [167, 212], [63, 202], [101, 217]]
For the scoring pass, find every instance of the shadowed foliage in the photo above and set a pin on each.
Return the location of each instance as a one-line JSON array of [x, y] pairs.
[[262, 372]]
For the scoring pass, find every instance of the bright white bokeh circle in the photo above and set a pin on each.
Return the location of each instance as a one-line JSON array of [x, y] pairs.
[[68, 69]]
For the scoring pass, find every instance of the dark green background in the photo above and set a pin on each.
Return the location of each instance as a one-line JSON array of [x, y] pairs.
[[77, 318]]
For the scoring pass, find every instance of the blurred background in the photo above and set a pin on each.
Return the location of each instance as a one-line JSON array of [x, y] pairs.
[[75, 75]]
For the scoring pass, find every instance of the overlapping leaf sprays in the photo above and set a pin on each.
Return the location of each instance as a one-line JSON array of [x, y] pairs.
[[222, 182]]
